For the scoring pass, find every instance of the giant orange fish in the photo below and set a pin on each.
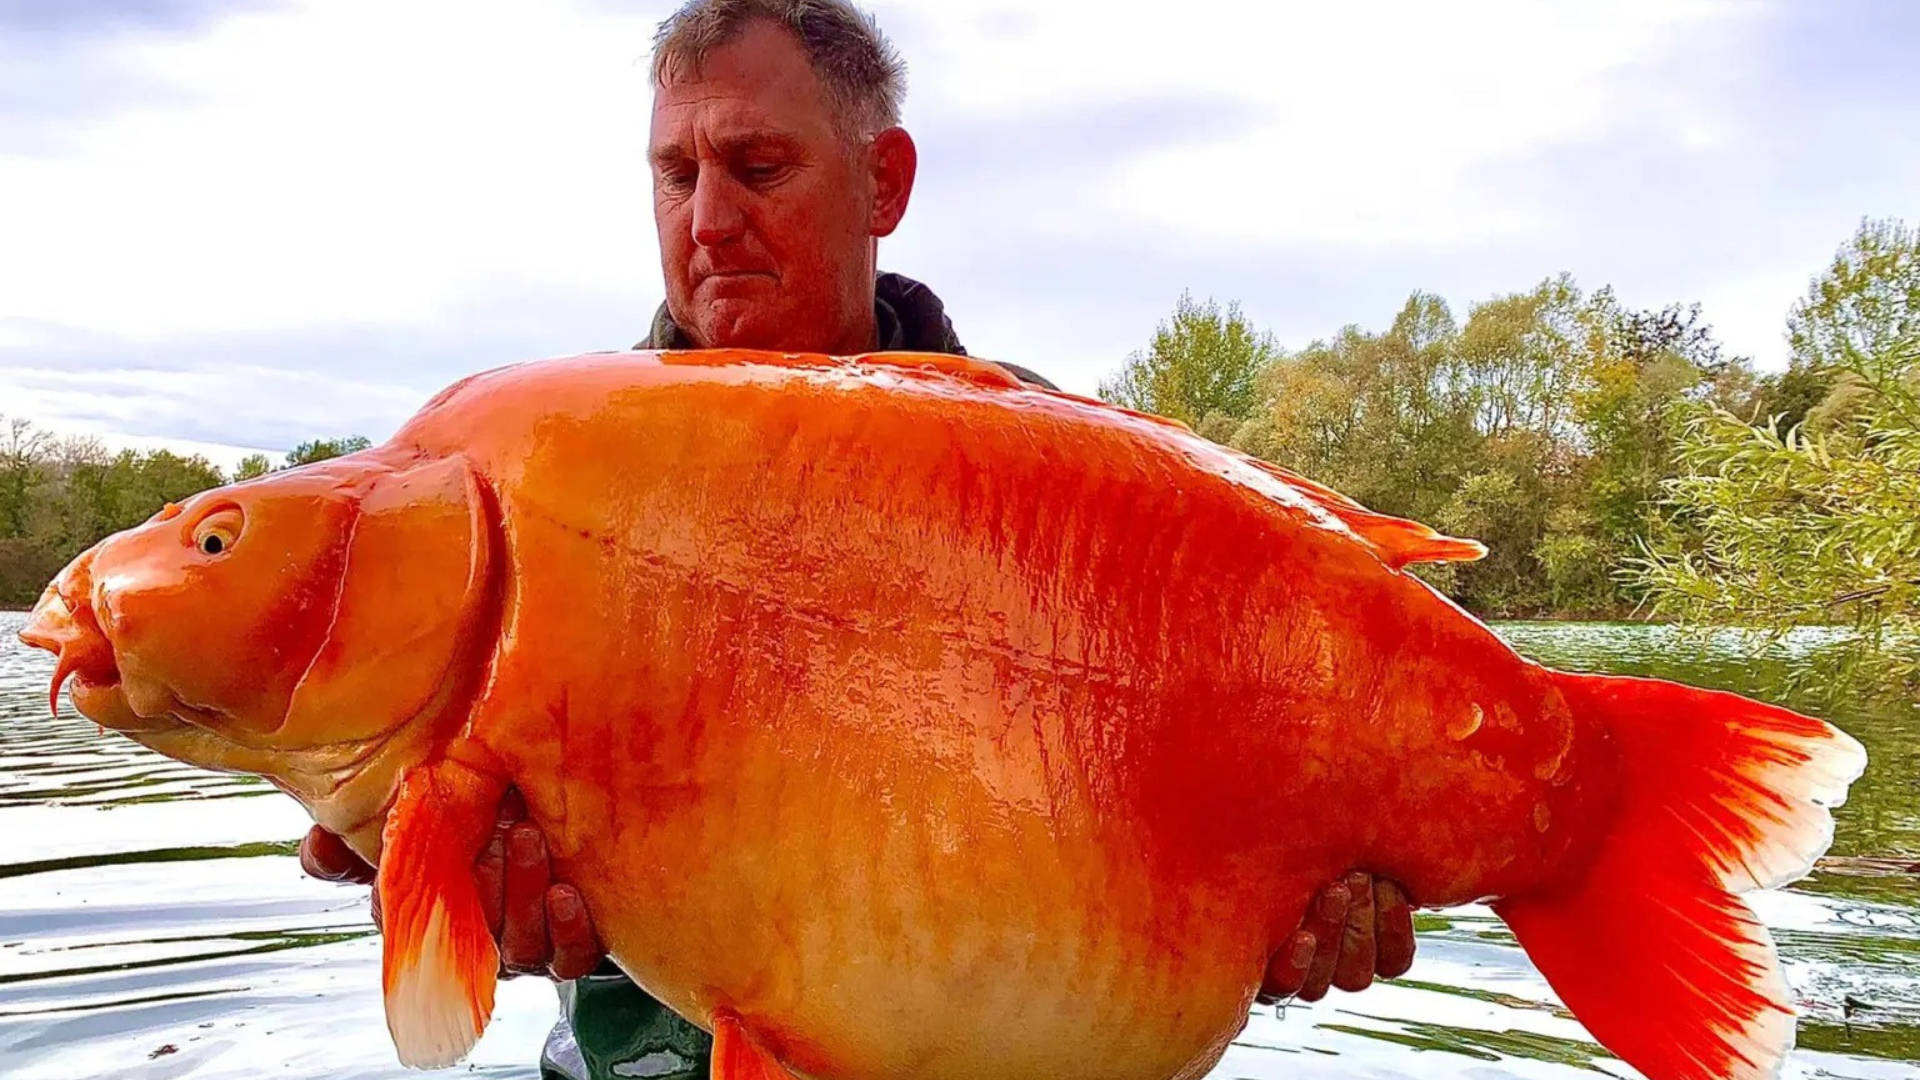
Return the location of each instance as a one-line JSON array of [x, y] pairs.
[[897, 719]]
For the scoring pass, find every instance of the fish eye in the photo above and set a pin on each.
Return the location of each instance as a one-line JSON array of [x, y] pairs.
[[217, 532]]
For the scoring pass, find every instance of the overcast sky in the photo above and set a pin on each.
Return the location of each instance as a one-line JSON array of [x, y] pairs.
[[234, 224]]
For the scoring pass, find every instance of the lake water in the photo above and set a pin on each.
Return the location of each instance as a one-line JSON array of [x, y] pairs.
[[154, 923]]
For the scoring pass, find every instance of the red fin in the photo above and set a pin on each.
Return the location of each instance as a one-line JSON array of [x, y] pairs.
[[736, 1057], [440, 960], [1399, 541], [1649, 945]]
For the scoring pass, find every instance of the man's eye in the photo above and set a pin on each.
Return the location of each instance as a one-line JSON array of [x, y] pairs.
[[761, 174], [677, 180]]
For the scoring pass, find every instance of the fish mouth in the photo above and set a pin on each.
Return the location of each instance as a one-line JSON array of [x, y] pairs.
[[63, 623]]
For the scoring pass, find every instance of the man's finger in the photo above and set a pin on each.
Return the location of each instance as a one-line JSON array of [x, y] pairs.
[[1393, 920], [576, 950], [1326, 921], [524, 948], [327, 857], [490, 867], [490, 877], [1287, 968], [1353, 971]]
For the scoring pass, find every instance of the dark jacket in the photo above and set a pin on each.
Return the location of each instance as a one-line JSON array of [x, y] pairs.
[[909, 317]]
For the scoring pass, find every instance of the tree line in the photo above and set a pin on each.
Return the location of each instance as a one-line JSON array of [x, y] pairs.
[[61, 495], [1614, 460]]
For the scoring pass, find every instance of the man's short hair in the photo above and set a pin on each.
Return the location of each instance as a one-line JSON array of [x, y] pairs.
[[864, 78]]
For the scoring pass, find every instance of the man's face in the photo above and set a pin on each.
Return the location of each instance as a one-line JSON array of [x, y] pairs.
[[766, 216]]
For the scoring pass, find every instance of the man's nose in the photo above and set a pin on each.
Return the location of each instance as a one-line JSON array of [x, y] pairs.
[[716, 210]]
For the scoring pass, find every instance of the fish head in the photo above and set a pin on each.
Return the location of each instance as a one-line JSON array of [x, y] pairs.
[[289, 624]]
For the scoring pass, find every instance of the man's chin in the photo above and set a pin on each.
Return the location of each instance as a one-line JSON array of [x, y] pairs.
[[739, 324]]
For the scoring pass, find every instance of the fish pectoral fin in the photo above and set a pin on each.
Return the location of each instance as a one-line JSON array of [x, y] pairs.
[[439, 961], [738, 1057]]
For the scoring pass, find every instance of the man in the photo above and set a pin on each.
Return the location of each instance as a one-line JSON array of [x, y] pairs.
[[778, 162]]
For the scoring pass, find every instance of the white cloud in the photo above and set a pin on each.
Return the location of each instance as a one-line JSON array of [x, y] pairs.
[[1373, 123], [131, 408], [356, 161]]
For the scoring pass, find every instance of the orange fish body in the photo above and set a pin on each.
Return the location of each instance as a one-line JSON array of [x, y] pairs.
[[896, 719]]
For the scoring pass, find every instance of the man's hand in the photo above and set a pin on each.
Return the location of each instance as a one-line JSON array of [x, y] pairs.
[[1354, 930], [542, 926]]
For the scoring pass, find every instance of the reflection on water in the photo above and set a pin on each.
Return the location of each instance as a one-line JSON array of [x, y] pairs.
[[155, 924]]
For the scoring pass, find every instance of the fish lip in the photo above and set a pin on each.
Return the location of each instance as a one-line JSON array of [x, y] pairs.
[[83, 654], [50, 624]]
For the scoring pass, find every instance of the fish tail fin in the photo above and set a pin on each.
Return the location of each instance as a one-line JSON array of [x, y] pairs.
[[1648, 944]]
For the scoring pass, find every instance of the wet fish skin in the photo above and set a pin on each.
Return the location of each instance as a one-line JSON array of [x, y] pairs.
[[897, 719]]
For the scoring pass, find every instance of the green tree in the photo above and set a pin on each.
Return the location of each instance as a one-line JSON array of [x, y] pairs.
[[59, 496], [1641, 370], [1790, 396], [1852, 314], [121, 492], [1467, 428], [1858, 314], [1377, 416], [1202, 364], [1519, 360], [1776, 527], [21, 474], [78, 494], [321, 449]]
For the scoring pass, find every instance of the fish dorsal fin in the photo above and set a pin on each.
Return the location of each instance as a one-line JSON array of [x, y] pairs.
[[1401, 542]]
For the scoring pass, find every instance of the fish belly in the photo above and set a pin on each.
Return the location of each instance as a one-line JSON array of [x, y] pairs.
[[942, 740], [924, 929]]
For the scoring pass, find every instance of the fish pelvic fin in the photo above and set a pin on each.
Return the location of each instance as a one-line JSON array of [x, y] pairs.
[[1650, 945], [439, 960], [738, 1057]]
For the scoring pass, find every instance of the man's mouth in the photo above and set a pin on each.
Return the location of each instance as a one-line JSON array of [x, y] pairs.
[[735, 275]]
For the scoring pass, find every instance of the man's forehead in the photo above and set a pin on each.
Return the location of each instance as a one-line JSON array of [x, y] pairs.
[[758, 84], [687, 143], [721, 124]]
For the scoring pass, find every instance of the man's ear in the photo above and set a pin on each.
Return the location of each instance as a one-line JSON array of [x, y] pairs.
[[412, 595], [894, 161]]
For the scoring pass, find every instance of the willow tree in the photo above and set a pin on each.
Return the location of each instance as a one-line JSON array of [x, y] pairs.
[[1780, 525]]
